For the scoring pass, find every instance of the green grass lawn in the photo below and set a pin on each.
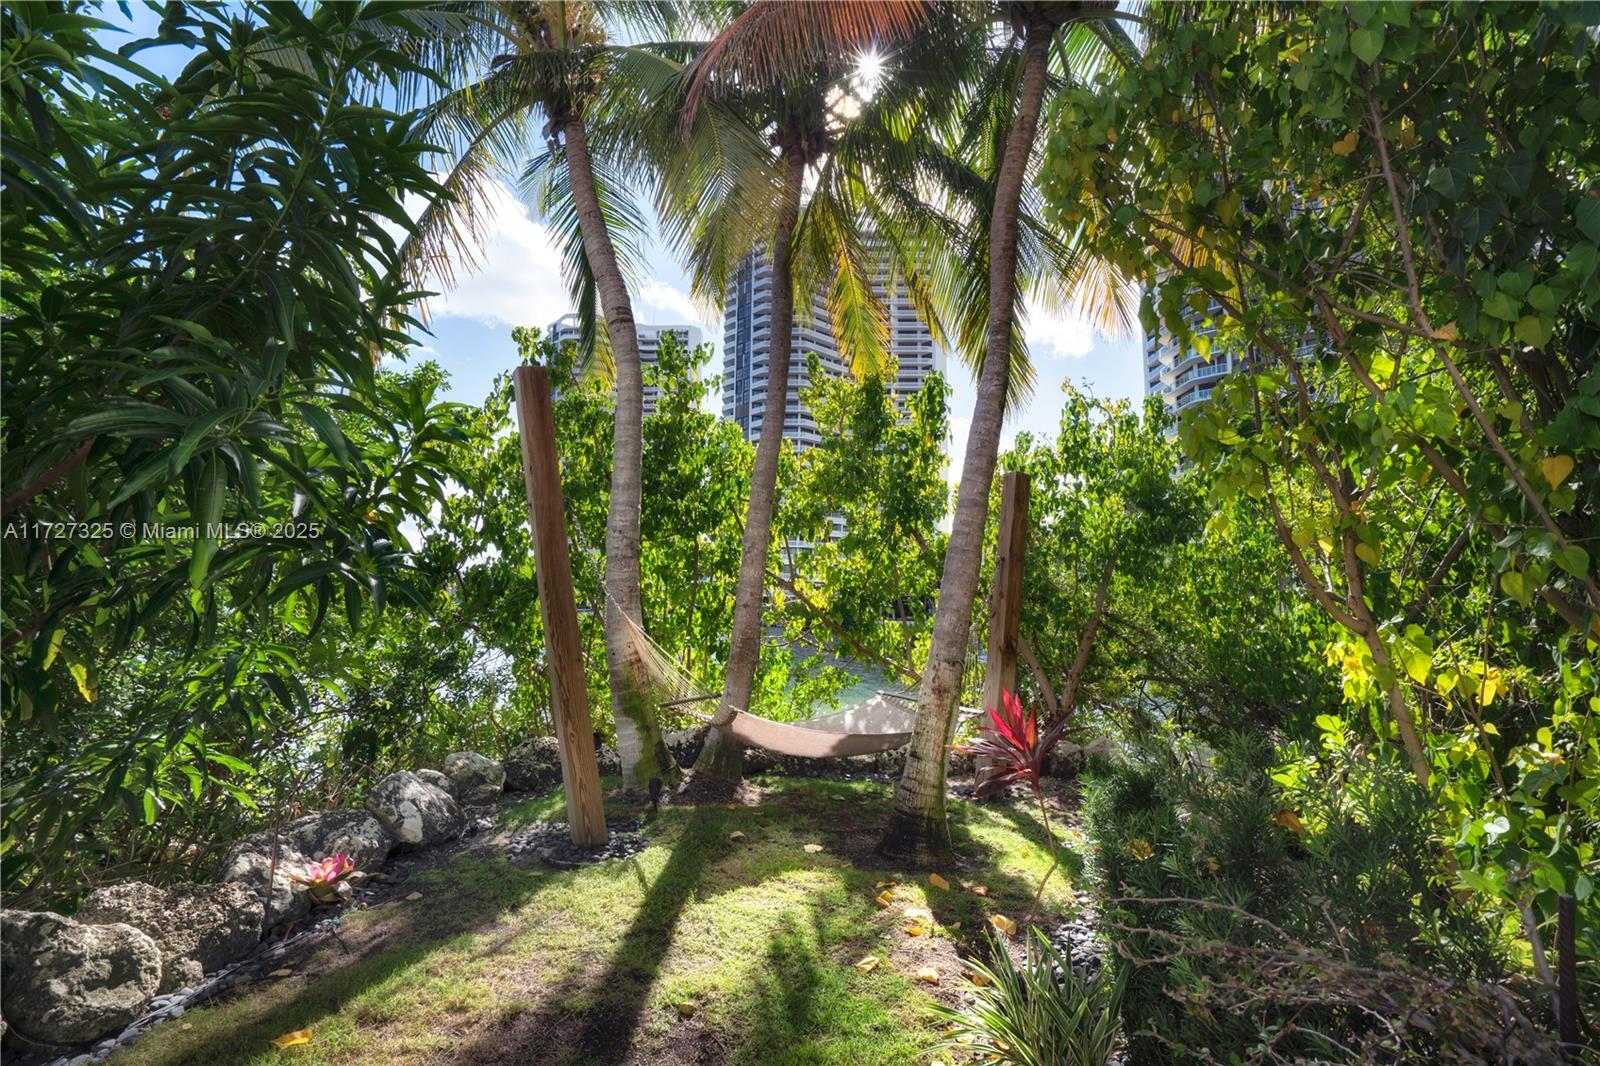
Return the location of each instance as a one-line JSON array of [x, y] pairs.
[[701, 949]]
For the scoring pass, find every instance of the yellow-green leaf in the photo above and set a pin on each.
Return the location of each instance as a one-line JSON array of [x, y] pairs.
[[1417, 663], [80, 674], [1555, 468]]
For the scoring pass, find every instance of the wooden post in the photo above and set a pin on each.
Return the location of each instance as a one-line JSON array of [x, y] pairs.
[[1567, 971], [1005, 600], [569, 694]]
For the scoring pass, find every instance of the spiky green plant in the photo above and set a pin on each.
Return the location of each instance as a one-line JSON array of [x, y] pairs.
[[1040, 1013]]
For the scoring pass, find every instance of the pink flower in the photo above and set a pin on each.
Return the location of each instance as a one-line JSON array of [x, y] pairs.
[[329, 870]]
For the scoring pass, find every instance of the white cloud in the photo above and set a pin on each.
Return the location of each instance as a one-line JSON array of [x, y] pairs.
[[518, 281], [677, 306], [1060, 335]]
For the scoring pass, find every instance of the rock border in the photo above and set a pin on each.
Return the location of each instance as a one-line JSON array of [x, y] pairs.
[[266, 861]]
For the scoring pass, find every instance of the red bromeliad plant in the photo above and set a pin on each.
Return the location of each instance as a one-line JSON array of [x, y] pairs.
[[1018, 751]]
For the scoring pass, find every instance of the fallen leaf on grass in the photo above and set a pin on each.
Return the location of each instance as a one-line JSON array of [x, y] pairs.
[[979, 980], [285, 972], [736, 836], [938, 882], [299, 1036], [813, 848], [928, 975], [687, 1009], [913, 929], [886, 884], [731, 806], [1002, 923], [920, 914], [868, 964], [882, 899], [413, 897], [979, 890]]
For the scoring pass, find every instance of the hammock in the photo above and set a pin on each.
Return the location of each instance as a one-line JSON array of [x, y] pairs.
[[872, 726], [882, 722]]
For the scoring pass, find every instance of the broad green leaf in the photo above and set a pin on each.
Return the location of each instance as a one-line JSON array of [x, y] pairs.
[[1573, 559], [1367, 43], [1588, 216], [1417, 663], [1534, 330]]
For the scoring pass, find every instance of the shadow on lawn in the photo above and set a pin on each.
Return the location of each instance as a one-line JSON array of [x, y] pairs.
[[405, 938], [595, 1016]]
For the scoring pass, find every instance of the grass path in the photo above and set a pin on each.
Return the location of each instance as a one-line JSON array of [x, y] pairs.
[[700, 949]]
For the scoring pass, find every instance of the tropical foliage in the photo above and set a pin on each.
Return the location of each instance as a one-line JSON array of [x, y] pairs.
[[1391, 210], [201, 454], [1333, 632]]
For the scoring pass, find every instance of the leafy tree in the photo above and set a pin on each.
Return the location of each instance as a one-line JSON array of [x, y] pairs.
[[879, 472], [199, 286], [1104, 505], [1394, 209], [1132, 611], [695, 470]]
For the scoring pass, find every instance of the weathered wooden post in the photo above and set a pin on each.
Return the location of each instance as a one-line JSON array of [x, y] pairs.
[[1567, 971], [569, 695], [1005, 599]]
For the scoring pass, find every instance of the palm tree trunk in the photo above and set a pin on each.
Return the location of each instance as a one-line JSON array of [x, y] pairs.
[[640, 746], [721, 761], [917, 829]]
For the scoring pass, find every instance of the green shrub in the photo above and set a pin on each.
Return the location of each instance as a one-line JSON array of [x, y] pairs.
[[1260, 917], [1040, 1013]]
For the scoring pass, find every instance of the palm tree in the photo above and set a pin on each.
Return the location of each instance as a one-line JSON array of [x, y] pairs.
[[553, 59], [941, 162], [787, 67], [1011, 89]]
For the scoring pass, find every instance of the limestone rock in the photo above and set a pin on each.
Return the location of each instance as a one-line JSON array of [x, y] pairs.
[[415, 812], [301, 842], [437, 780], [197, 928], [534, 765], [69, 983], [685, 744], [477, 778]]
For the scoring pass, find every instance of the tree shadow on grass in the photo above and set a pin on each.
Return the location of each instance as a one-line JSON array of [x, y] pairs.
[[407, 936], [594, 1017], [1024, 818], [811, 1006]]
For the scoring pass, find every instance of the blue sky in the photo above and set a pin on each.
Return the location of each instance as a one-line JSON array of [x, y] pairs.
[[519, 283]]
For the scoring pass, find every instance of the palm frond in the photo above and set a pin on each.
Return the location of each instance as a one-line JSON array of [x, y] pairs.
[[781, 41]]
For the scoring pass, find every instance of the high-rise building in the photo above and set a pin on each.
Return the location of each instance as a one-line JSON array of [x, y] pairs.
[[566, 328], [747, 344], [1177, 372]]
